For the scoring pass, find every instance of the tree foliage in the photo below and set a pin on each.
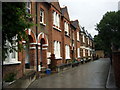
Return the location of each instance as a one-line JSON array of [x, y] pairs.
[[14, 23], [108, 37]]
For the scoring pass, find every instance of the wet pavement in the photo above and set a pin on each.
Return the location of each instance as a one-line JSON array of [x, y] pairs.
[[90, 75]]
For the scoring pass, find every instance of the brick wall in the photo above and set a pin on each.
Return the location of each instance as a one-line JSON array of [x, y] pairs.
[[116, 65], [17, 69]]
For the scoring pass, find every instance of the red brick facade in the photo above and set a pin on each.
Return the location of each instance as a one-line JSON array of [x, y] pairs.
[[45, 37]]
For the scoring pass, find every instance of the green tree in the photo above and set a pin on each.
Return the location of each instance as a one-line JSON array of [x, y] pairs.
[[109, 32], [14, 23]]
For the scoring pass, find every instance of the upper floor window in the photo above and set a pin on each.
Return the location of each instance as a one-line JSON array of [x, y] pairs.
[[66, 27], [83, 38], [57, 49], [28, 6], [78, 37], [41, 15], [56, 19], [73, 37], [88, 41]]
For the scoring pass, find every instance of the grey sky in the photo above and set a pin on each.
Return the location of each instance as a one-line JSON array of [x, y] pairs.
[[89, 12]]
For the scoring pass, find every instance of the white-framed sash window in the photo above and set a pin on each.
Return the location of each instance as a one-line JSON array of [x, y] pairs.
[[67, 52], [42, 16], [56, 19], [66, 27], [78, 37], [83, 38], [57, 49], [78, 51], [28, 6], [12, 57], [83, 52]]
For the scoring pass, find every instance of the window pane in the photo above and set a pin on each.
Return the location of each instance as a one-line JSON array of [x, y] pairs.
[[13, 55], [41, 15]]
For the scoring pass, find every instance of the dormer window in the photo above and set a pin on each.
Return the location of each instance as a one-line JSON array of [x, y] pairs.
[[41, 15]]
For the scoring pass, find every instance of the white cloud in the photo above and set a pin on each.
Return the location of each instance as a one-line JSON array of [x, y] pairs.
[[89, 12]]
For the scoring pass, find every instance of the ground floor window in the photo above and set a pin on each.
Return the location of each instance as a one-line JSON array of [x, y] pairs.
[[57, 49], [78, 51], [12, 57], [67, 52], [83, 52]]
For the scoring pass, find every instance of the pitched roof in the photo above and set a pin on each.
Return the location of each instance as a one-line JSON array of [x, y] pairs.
[[64, 11], [75, 23], [56, 5]]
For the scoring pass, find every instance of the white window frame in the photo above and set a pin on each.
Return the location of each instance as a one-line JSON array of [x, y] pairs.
[[88, 52], [88, 41], [56, 19], [83, 52], [66, 27], [42, 15], [83, 38], [78, 36], [57, 49], [28, 6], [67, 52], [9, 59], [78, 51]]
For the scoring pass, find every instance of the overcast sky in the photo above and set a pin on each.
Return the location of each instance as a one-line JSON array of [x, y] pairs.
[[89, 12]]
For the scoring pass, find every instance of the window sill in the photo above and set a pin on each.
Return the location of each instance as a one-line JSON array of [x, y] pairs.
[[79, 57], [11, 63], [42, 23], [68, 58], [56, 28], [58, 58]]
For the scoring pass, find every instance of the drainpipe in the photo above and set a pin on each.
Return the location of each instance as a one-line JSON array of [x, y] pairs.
[[37, 40]]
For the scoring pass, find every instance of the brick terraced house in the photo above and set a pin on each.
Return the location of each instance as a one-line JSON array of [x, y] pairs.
[[54, 35]]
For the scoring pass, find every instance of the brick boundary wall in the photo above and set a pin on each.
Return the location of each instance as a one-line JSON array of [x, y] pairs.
[[116, 65]]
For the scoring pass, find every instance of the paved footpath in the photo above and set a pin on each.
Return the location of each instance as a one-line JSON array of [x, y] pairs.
[[90, 75]]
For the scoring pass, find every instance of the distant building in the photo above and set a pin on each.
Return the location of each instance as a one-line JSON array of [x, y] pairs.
[[100, 53]]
